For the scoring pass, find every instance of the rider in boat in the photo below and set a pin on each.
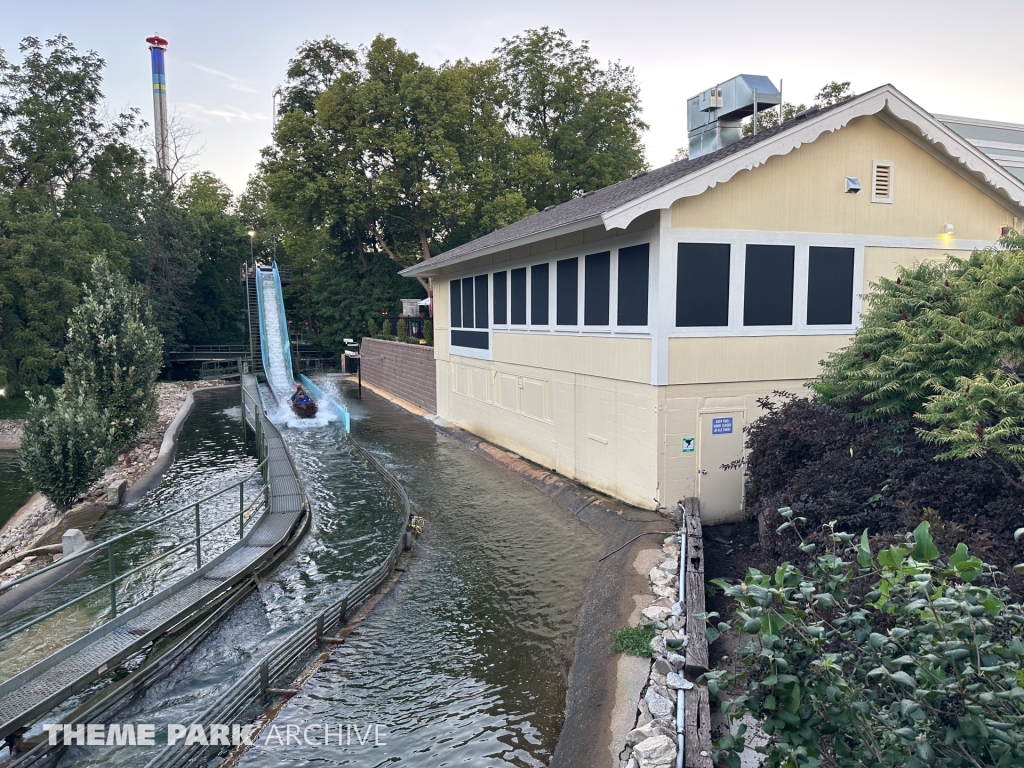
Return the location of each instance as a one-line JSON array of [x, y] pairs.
[[300, 397]]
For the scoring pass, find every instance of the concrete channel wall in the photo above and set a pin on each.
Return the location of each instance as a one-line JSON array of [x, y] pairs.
[[403, 370]]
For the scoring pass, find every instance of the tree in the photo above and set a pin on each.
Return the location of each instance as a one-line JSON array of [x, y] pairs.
[[833, 93], [381, 161], [64, 445], [64, 176], [830, 94], [556, 97], [114, 353]]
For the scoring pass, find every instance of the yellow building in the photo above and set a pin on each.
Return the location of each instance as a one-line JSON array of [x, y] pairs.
[[622, 338]]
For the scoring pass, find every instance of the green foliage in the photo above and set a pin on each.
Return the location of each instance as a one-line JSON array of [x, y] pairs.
[[899, 659], [403, 330], [380, 161], [114, 353], [63, 446], [428, 332], [15, 407], [371, 326], [634, 641], [943, 342]]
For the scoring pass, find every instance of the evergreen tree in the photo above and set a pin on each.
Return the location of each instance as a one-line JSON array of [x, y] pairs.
[[114, 353], [64, 445]]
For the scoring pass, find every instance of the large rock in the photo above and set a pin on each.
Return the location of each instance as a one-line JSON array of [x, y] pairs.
[[660, 577], [670, 566], [678, 681], [656, 752], [656, 612], [658, 705], [652, 729]]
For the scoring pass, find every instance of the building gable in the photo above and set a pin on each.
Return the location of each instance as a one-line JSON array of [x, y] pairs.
[[804, 191]]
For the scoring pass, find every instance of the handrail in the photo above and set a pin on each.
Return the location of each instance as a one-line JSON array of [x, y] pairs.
[[96, 547], [255, 681], [108, 545]]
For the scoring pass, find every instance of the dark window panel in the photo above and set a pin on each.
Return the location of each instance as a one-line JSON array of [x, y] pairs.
[[596, 288], [519, 296], [830, 286], [568, 277], [702, 285], [539, 294], [471, 339], [768, 285], [634, 267], [481, 301], [500, 298], [455, 289], [467, 302]]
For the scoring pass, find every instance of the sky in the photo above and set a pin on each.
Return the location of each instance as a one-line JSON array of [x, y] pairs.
[[226, 57]]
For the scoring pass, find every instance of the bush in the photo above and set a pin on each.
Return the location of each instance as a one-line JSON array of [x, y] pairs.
[[63, 446], [880, 475], [634, 641], [904, 659], [403, 331], [371, 326], [114, 353], [428, 332]]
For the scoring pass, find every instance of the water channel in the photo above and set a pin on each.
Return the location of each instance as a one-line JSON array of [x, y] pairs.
[[15, 487], [465, 660]]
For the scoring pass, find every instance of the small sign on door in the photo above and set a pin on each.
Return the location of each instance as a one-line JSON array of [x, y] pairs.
[[721, 425], [688, 444]]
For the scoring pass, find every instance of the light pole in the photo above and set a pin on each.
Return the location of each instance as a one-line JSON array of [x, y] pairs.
[[252, 234]]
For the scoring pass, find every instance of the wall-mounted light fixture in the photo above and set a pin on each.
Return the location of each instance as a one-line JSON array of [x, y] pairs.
[[852, 185], [947, 229]]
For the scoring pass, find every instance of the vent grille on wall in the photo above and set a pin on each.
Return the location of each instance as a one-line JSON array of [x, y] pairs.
[[881, 187]]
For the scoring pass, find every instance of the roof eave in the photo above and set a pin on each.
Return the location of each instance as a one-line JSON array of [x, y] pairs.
[[873, 102], [428, 269]]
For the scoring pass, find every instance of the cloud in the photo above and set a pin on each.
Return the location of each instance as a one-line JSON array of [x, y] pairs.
[[234, 83], [227, 113]]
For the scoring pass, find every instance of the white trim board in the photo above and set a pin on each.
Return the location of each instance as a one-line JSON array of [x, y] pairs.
[[884, 99]]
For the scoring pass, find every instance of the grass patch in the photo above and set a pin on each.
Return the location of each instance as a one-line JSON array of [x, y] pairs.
[[634, 641], [14, 407]]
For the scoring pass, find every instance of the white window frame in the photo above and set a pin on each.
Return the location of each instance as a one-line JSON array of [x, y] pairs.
[[551, 258], [455, 349], [892, 178], [738, 242]]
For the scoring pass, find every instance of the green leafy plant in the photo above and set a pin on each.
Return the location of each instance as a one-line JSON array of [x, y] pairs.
[[634, 641], [403, 330], [371, 326], [63, 446], [901, 659], [114, 353], [428, 332]]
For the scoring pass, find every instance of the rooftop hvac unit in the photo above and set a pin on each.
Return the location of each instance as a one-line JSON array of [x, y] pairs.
[[714, 116]]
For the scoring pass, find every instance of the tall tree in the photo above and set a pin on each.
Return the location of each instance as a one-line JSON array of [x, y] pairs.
[[585, 117], [59, 162]]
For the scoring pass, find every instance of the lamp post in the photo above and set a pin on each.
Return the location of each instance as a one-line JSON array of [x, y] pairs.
[[252, 234]]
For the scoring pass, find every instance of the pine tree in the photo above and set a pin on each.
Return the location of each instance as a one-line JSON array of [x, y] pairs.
[[114, 353]]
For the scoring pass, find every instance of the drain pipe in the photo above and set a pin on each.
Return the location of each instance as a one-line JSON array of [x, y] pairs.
[[680, 698]]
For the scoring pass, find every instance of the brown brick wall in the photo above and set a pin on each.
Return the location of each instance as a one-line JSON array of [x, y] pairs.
[[407, 371]]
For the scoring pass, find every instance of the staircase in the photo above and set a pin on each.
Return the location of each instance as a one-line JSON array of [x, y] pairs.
[[252, 307]]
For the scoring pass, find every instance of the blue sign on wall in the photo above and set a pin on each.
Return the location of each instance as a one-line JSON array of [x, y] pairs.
[[721, 426]]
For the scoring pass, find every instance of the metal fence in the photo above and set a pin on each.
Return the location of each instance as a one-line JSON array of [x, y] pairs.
[[108, 547], [255, 686]]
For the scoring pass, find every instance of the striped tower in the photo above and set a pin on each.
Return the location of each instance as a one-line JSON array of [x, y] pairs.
[[157, 46]]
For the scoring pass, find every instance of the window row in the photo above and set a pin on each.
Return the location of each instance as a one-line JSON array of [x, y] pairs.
[[702, 285], [511, 307], [522, 296]]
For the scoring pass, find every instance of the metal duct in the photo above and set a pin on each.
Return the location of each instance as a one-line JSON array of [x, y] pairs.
[[713, 117]]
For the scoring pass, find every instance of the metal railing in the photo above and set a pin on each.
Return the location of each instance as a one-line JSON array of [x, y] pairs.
[[209, 352], [254, 685], [244, 512]]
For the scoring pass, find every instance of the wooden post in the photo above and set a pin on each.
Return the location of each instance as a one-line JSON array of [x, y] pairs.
[[696, 706]]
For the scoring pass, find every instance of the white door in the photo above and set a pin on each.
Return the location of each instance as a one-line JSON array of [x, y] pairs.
[[720, 490]]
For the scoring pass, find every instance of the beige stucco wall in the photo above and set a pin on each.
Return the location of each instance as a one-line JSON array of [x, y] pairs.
[[803, 192], [594, 429]]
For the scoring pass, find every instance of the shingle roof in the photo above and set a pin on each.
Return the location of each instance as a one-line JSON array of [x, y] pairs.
[[608, 198]]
